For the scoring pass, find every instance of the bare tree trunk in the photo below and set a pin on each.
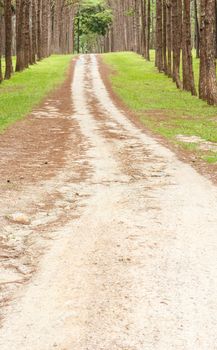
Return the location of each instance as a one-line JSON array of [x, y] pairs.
[[159, 36], [216, 28], [176, 39], [19, 35], [148, 30], [164, 36], [44, 28], [197, 30], [39, 31], [34, 31], [187, 65], [8, 39], [143, 28], [169, 38], [1, 75], [27, 54], [208, 82]]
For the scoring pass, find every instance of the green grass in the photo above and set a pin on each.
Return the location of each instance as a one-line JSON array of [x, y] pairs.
[[159, 104], [25, 90]]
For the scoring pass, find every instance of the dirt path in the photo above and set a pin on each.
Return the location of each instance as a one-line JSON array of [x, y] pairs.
[[137, 268]]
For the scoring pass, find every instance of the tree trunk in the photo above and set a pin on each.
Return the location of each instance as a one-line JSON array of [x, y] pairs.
[[203, 63], [216, 28], [187, 66], [1, 75], [39, 31], [34, 32], [164, 36], [176, 39], [169, 38], [159, 36], [8, 39], [143, 28], [27, 54], [148, 30], [197, 30], [210, 52], [44, 28]]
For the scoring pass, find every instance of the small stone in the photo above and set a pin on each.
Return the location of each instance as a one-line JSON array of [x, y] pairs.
[[19, 218], [70, 200]]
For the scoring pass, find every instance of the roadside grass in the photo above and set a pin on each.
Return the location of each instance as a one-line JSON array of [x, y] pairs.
[[20, 94], [160, 105]]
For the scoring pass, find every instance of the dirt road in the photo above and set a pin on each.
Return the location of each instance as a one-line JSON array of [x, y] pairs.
[[133, 265]]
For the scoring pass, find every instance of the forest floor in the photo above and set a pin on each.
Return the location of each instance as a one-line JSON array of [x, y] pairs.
[[113, 245]]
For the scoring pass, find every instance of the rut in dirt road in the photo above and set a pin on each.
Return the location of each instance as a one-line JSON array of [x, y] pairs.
[[138, 269]]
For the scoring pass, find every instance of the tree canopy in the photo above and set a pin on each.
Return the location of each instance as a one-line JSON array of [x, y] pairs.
[[92, 22]]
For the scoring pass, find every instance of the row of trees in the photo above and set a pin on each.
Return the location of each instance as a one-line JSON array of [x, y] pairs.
[[172, 28], [33, 29]]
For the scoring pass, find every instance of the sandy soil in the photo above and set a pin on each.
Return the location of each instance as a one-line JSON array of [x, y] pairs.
[[132, 261]]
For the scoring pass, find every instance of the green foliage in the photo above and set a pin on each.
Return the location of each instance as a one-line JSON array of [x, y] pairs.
[[159, 104], [92, 22], [25, 90], [94, 18]]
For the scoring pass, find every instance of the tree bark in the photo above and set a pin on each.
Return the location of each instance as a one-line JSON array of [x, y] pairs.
[[34, 32], [197, 30], [164, 36], [148, 30], [169, 38], [159, 36], [176, 39], [187, 65], [1, 74], [26, 28], [8, 39], [210, 52]]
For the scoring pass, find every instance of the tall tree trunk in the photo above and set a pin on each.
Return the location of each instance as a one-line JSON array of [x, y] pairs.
[[44, 28], [203, 63], [176, 39], [19, 31], [207, 82], [164, 36], [1, 75], [187, 66], [39, 31], [169, 38], [143, 28], [34, 31], [148, 30], [197, 30], [159, 36], [216, 28], [8, 38], [27, 53]]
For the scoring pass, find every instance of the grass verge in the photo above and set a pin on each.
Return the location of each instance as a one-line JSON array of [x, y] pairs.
[[25, 90], [161, 106]]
